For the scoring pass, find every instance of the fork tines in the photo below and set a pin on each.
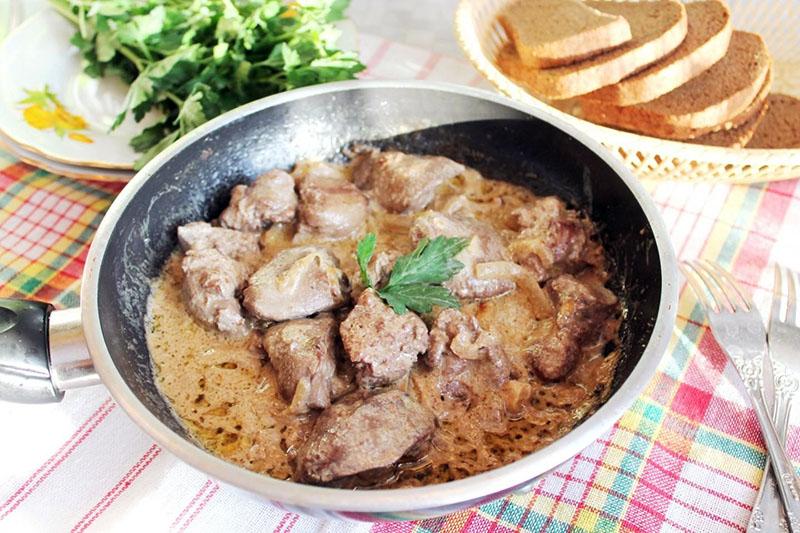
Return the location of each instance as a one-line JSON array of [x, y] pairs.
[[784, 299], [714, 287]]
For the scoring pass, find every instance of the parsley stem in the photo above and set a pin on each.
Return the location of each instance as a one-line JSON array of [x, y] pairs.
[[125, 51]]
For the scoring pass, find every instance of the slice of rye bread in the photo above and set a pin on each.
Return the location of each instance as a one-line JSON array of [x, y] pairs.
[[706, 103], [739, 120], [706, 43], [735, 137], [781, 126], [657, 26], [550, 33]]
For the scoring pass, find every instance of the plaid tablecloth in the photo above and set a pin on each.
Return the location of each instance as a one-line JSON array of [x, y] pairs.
[[686, 457]]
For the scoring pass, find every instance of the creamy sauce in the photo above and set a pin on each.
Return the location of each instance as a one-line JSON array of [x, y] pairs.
[[226, 392]]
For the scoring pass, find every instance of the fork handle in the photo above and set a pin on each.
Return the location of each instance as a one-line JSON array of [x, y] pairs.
[[784, 471], [767, 508]]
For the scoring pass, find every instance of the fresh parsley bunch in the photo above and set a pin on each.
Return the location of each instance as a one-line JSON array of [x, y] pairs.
[[415, 281], [196, 59]]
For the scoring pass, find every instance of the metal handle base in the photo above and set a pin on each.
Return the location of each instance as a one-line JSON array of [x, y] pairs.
[[42, 352]]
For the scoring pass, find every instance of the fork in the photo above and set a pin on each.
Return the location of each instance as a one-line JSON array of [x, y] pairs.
[[784, 338], [737, 326]]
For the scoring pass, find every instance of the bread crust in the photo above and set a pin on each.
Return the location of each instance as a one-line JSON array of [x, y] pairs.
[[707, 40], [648, 45], [780, 128], [552, 33], [709, 102]]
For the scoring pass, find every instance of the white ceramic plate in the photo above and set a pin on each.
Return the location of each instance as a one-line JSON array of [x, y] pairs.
[[64, 169], [38, 53]]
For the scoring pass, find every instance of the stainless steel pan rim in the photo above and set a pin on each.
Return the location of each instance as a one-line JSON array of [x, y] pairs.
[[383, 500]]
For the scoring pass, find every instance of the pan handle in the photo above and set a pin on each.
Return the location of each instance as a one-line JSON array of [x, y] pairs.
[[42, 352]]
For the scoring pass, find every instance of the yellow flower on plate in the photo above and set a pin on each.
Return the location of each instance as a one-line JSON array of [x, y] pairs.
[[38, 117], [44, 111]]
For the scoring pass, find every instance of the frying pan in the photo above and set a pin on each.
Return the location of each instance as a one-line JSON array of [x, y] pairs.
[[45, 352]]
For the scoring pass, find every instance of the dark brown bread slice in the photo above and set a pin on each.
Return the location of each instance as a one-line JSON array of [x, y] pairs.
[[735, 137], [657, 26], [742, 118], [707, 103], [706, 43], [551, 33], [781, 126]]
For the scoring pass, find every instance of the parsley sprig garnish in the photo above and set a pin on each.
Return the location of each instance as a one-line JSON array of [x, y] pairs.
[[196, 59], [416, 280]]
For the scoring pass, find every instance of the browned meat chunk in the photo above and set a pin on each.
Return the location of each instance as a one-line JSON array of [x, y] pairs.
[[583, 310], [470, 354], [553, 239], [270, 198], [483, 259], [470, 368], [210, 283], [303, 354], [382, 344], [363, 436], [402, 183], [554, 358], [238, 245], [330, 206], [307, 167], [582, 307], [298, 282]]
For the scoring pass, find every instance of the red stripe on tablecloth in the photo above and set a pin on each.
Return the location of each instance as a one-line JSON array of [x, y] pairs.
[[74, 268], [659, 491], [675, 475], [295, 518], [49, 466], [715, 470], [754, 255], [475, 81], [697, 217], [427, 68], [595, 470], [121, 486], [23, 243], [567, 478], [191, 503], [380, 52], [17, 170], [200, 507], [279, 527]]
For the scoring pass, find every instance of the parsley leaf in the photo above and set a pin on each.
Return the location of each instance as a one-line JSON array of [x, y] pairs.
[[419, 298], [416, 280], [364, 251], [195, 59]]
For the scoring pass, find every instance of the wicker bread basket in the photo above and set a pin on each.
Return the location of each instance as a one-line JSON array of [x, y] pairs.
[[778, 22]]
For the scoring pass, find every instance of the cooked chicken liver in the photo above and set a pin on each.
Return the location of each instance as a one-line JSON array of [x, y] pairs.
[[297, 283], [582, 307], [270, 198], [303, 352], [382, 344], [210, 283], [472, 360], [403, 183], [553, 239], [553, 358], [238, 245], [582, 311], [359, 436], [484, 246], [330, 206], [339, 398]]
